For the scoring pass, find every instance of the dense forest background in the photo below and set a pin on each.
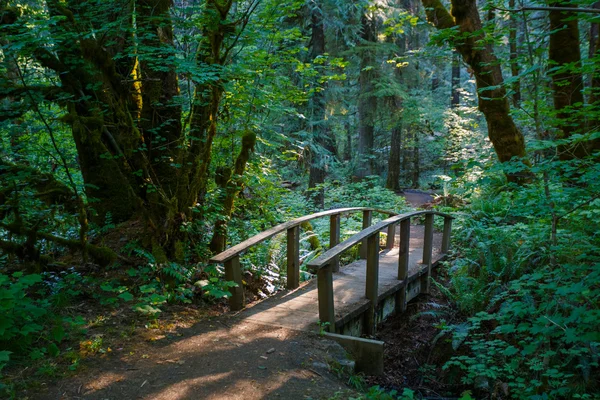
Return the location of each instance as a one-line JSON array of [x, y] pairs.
[[138, 138]]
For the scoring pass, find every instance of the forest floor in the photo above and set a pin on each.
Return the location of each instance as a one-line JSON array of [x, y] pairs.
[[218, 358], [209, 354], [414, 349]]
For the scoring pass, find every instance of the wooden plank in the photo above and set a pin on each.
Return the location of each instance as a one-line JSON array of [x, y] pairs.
[[391, 237], [334, 239], [325, 293], [372, 284], [366, 222], [403, 264], [446, 235], [404, 250], [428, 239], [233, 272], [293, 257]]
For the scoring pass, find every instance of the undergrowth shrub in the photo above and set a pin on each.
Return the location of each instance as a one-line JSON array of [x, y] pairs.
[[541, 338]]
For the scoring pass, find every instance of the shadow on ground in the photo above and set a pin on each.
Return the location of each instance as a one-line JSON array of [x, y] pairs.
[[222, 359]]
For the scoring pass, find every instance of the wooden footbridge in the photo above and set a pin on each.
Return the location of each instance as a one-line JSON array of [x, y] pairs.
[[353, 299]]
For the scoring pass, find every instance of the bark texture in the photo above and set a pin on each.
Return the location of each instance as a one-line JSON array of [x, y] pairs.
[[508, 141], [567, 81], [119, 87], [367, 102], [321, 142]]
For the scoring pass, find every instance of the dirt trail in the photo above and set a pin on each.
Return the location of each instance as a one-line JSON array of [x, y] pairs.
[[217, 359]]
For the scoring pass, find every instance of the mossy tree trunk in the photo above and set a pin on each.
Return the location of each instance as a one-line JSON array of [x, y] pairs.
[[119, 87], [477, 52]]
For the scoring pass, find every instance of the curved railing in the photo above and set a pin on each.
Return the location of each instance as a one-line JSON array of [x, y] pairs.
[[231, 257], [322, 265]]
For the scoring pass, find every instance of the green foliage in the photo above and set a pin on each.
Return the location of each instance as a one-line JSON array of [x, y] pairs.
[[526, 274], [545, 336], [28, 323]]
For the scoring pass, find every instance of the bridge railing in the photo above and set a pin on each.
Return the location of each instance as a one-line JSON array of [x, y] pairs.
[[323, 265], [231, 257]]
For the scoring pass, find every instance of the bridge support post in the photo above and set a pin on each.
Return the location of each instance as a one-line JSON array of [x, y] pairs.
[[233, 272], [446, 234], [372, 287], [367, 216], [293, 257], [403, 256], [334, 239], [427, 252], [391, 237], [325, 294]]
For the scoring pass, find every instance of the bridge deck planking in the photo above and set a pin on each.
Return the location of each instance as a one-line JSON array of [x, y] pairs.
[[299, 309]]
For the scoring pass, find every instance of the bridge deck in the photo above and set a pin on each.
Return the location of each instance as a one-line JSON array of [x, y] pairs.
[[299, 309]]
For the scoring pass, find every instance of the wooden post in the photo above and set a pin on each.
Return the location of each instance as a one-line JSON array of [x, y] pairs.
[[391, 237], [293, 257], [446, 234], [334, 239], [428, 239], [403, 261], [325, 294], [367, 215], [427, 253], [372, 286], [233, 272]]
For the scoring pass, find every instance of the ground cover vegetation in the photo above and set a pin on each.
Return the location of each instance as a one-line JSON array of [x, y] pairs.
[[138, 138]]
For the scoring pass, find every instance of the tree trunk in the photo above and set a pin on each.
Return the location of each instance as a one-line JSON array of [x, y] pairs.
[[348, 148], [367, 102], [119, 86], [514, 55], [508, 141], [416, 172], [455, 101], [232, 185], [567, 82], [321, 143], [393, 176]]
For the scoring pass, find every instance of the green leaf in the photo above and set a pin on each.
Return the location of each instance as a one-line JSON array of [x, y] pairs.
[[53, 350], [58, 333], [126, 296], [5, 356]]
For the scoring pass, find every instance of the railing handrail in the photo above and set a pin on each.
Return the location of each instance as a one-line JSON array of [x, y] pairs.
[[325, 258], [256, 239]]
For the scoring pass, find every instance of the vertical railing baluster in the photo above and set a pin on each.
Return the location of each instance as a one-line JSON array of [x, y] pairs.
[[372, 284], [367, 216], [391, 237], [325, 295], [233, 272], [427, 252], [403, 263], [446, 235], [428, 239], [293, 257], [334, 239]]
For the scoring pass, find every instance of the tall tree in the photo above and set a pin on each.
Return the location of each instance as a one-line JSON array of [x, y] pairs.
[[367, 102], [471, 43], [567, 80], [321, 142], [120, 91]]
